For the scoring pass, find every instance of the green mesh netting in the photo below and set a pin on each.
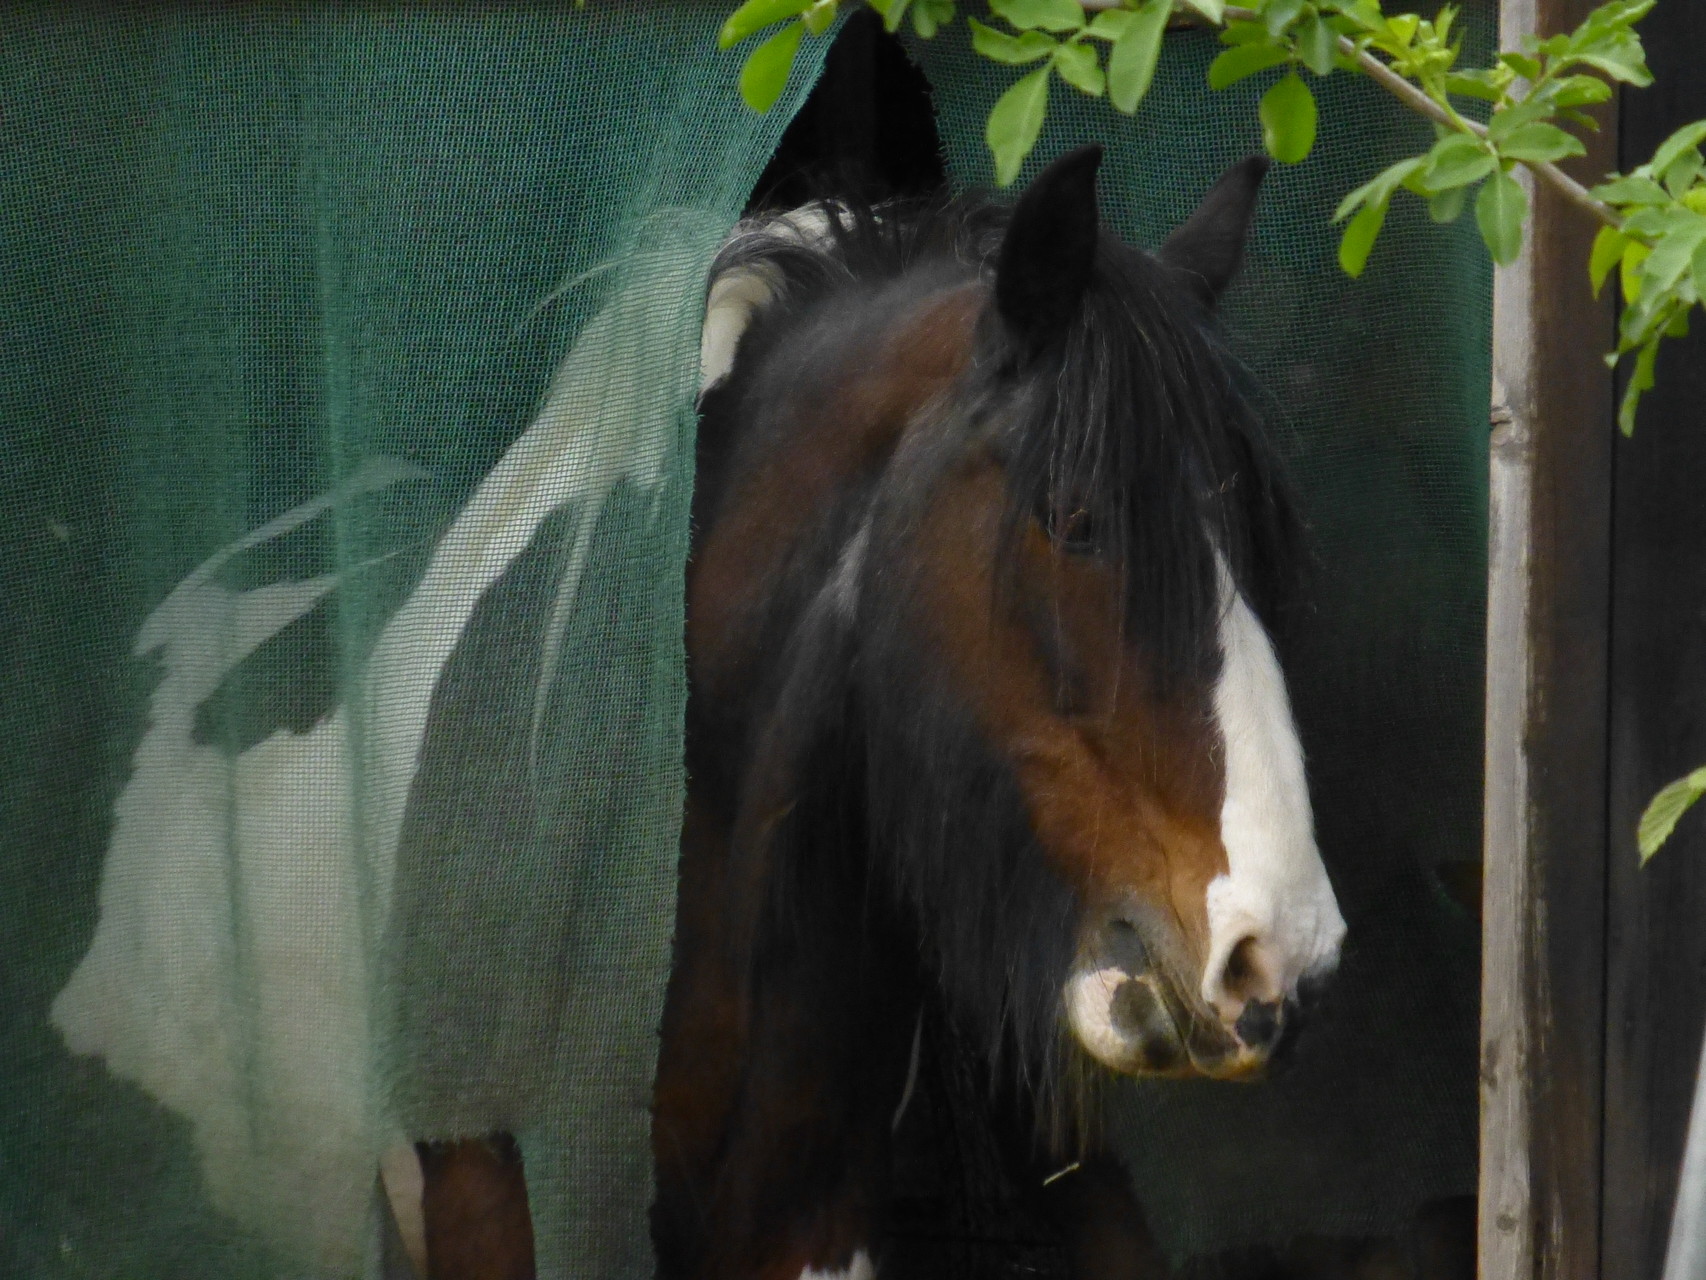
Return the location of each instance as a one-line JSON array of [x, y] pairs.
[[343, 629], [343, 678], [1379, 394]]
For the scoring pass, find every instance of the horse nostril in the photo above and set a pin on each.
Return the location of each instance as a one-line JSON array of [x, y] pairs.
[[1244, 977], [1259, 1025]]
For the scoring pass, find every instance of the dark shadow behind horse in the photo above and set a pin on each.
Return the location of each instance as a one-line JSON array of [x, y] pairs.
[[981, 713]]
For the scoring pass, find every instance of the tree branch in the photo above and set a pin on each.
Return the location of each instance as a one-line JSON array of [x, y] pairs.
[[1420, 103]]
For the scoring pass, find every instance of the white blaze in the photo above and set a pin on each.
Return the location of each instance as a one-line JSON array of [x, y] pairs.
[[1275, 891]]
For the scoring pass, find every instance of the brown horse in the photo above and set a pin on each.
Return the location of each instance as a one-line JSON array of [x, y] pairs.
[[981, 707]]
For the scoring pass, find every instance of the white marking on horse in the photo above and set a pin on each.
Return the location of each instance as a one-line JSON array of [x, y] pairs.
[[860, 1268], [1090, 1013], [1275, 892], [729, 308], [738, 294]]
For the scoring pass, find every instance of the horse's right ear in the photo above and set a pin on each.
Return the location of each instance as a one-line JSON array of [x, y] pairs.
[[1208, 247], [1050, 248]]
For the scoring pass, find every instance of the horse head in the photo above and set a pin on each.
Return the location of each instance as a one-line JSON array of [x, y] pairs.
[[1083, 767]]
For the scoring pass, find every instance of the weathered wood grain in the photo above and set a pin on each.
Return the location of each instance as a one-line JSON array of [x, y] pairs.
[[1548, 621]]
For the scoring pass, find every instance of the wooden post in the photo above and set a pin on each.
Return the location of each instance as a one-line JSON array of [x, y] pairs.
[[1543, 960]]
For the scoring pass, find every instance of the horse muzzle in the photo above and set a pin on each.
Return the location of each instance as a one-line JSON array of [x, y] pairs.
[[1127, 1014]]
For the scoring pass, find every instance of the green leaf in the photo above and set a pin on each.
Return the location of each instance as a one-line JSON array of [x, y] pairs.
[[892, 10], [1132, 60], [1050, 15], [1402, 28], [929, 16], [1684, 139], [1672, 255], [1680, 175], [1457, 160], [1358, 240], [1698, 270], [1608, 248], [1625, 64], [1017, 50], [1110, 24], [1014, 123], [1653, 222], [1277, 15], [1500, 209], [1640, 382], [755, 15], [1539, 143], [1526, 67], [1242, 61], [1580, 91], [1316, 45], [1447, 206], [820, 16], [1515, 117], [1213, 10], [765, 74], [1378, 189], [1632, 190], [1079, 67], [1466, 85], [1245, 33], [1287, 112], [1364, 13], [1638, 323], [1664, 809], [1629, 271]]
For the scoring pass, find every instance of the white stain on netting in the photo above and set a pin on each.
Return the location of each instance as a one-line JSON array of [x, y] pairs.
[[243, 899]]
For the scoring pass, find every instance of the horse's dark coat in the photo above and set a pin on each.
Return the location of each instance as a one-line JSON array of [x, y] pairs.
[[951, 433]]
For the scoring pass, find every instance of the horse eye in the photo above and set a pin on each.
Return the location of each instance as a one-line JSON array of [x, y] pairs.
[[1071, 530]]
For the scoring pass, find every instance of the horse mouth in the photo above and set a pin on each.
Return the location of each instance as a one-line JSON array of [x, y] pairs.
[[1135, 1024]]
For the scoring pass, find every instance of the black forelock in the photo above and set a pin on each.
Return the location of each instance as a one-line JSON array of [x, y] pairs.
[[1136, 420]]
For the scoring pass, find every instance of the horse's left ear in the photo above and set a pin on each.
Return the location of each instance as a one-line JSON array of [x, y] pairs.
[[1210, 244], [1050, 248]]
